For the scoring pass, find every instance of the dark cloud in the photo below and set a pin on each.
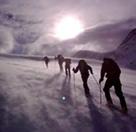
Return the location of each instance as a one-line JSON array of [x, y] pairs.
[[3, 2], [16, 21], [30, 24], [26, 37]]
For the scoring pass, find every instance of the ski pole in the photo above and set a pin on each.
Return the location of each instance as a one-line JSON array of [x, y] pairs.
[[74, 88], [100, 94], [74, 82], [99, 85]]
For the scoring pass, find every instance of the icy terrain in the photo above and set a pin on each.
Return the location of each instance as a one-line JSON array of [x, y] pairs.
[[36, 99]]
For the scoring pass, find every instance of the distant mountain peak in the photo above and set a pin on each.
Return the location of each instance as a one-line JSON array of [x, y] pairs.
[[130, 35]]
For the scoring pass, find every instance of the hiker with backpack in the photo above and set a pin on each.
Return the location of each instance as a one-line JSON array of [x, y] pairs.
[[60, 59], [84, 69], [46, 59], [67, 67], [111, 70]]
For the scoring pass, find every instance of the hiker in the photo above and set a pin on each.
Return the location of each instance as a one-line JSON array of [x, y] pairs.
[[84, 69], [60, 62], [46, 59], [67, 66], [112, 71]]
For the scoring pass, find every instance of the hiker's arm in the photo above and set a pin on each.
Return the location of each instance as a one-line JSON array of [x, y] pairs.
[[102, 73], [75, 70], [90, 69]]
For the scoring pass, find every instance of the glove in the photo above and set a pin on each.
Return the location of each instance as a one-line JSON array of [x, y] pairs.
[[73, 69], [100, 80]]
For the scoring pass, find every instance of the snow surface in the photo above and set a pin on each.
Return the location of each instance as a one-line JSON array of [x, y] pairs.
[[36, 99]]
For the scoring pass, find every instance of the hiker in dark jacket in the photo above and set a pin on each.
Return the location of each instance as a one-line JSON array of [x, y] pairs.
[[67, 66], [84, 69], [46, 59], [111, 70], [60, 59]]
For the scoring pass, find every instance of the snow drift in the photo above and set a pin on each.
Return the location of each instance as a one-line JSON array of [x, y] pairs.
[[31, 100]]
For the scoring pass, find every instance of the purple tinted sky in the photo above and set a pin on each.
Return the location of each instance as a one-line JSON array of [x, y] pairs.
[[26, 25]]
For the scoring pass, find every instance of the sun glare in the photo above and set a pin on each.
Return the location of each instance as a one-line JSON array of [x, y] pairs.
[[67, 28]]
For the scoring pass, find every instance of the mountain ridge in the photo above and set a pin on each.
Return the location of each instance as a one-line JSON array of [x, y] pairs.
[[124, 53]]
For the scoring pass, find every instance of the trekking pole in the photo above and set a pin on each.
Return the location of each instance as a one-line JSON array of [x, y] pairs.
[[99, 85], [100, 93], [74, 81], [74, 86]]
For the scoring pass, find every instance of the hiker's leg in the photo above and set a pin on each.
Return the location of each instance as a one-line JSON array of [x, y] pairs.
[[69, 71], [108, 85], [66, 70], [119, 93], [85, 85]]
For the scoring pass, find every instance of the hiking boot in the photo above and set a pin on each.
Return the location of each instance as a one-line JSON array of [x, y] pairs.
[[87, 94], [109, 104], [124, 110]]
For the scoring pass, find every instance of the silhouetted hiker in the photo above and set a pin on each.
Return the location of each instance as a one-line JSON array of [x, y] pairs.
[[112, 71], [67, 66], [84, 69], [60, 61], [46, 59]]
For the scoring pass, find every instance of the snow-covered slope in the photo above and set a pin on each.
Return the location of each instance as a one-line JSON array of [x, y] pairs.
[[36, 99], [126, 52]]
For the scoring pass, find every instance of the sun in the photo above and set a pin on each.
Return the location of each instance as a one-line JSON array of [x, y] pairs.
[[68, 27]]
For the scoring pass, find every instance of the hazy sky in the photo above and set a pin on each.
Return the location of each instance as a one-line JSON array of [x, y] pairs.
[[26, 26]]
